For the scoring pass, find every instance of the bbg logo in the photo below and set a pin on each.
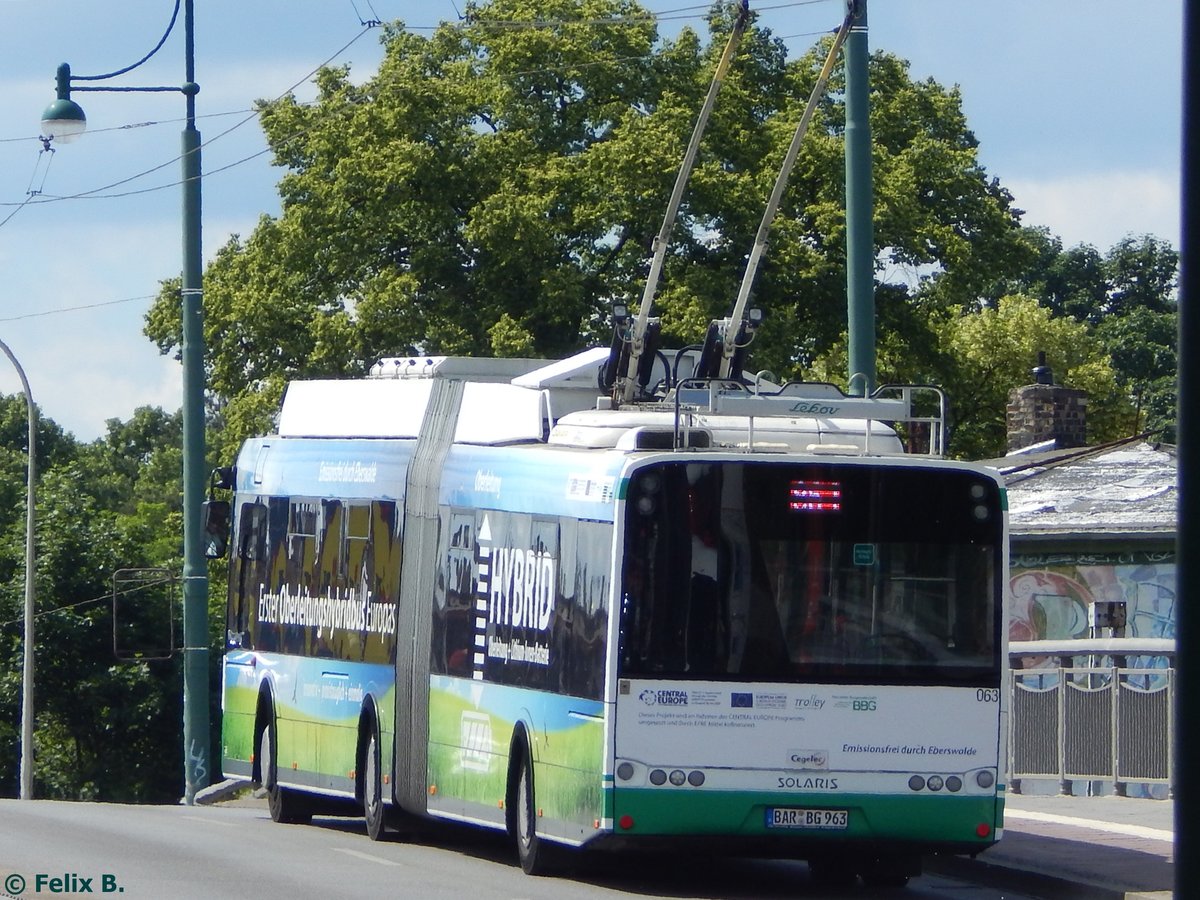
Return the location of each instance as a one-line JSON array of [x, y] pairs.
[[863, 704]]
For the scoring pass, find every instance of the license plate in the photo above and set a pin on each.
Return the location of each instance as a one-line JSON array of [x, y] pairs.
[[793, 817]]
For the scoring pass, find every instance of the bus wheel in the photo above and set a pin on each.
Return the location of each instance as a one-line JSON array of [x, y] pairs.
[[373, 810], [286, 806], [530, 848]]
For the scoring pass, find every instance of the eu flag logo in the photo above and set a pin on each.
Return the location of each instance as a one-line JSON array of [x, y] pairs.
[[744, 701]]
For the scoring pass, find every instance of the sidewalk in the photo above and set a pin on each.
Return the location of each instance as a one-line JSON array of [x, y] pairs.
[[1087, 847]]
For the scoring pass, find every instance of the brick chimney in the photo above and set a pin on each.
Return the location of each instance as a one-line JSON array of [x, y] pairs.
[[1045, 411]]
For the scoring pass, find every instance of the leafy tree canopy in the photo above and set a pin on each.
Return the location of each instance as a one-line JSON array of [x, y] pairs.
[[105, 730], [496, 185]]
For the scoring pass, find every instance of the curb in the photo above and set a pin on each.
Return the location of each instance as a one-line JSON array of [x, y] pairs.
[[1031, 881], [215, 793]]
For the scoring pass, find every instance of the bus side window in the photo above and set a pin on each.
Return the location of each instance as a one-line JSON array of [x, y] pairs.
[[301, 543], [251, 552], [454, 654], [356, 563], [253, 532]]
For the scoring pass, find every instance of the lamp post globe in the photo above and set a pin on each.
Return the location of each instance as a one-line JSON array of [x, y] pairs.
[[63, 121]]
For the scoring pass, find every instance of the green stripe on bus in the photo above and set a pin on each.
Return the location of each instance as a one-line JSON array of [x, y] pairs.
[[929, 818]]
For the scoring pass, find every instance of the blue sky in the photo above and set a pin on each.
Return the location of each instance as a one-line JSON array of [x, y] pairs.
[[1076, 105]]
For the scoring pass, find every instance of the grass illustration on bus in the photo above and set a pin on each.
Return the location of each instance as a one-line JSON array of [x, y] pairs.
[[629, 599]]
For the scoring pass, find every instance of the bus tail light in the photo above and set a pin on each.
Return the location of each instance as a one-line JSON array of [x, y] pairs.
[[626, 821], [983, 829]]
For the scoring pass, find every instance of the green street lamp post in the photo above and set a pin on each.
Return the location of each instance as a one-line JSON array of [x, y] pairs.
[[27, 664], [860, 241], [63, 121]]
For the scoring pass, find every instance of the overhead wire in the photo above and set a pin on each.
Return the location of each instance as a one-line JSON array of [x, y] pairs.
[[67, 309], [106, 191], [368, 25], [109, 596], [97, 193]]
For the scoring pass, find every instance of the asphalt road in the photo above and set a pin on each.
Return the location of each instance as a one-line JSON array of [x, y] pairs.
[[74, 849]]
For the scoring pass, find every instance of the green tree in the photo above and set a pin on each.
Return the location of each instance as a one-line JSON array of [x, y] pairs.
[[105, 729], [1069, 282], [993, 352], [492, 189], [1143, 347], [1128, 298]]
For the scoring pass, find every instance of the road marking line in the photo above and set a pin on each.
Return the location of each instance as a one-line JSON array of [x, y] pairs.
[[368, 857], [210, 821], [1154, 834]]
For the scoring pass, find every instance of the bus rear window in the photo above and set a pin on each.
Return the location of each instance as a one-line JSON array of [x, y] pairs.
[[761, 571]]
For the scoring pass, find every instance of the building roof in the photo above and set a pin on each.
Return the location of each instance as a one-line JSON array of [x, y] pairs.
[[1124, 490]]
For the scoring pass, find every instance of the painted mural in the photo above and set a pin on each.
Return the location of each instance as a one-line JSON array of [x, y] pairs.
[[1051, 593]]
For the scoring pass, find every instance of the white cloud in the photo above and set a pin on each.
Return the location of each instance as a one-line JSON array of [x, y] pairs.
[[1100, 208]]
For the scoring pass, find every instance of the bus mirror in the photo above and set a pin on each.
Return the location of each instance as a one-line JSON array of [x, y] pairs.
[[216, 528], [223, 477]]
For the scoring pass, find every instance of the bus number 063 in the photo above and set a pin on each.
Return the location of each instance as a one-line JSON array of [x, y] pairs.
[[988, 695]]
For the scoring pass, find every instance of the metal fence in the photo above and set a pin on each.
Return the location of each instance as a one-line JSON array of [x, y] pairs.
[[1091, 723]]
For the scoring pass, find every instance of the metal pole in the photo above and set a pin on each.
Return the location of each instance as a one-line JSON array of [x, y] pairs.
[[734, 322], [1187, 664], [196, 738], [30, 571], [860, 239], [628, 388]]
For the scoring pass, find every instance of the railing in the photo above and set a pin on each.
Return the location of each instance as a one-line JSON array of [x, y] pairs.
[[1092, 722], [919, 410]]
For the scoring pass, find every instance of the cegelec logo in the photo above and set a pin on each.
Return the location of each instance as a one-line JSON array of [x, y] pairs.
[[16, 885]]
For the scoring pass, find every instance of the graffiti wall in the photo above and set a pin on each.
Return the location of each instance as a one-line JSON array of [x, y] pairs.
[[1051, 593]]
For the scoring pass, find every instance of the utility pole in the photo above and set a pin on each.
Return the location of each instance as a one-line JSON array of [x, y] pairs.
[[860, 232]]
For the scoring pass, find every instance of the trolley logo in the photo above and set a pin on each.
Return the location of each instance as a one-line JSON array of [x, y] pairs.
[[663, 697], [812, 702]]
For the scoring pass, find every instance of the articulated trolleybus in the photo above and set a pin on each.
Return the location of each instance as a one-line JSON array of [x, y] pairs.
[[482, 591]]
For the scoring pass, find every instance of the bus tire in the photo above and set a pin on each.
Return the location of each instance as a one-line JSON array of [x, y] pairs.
[[372, 790], [531, 849], [285, 805]]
